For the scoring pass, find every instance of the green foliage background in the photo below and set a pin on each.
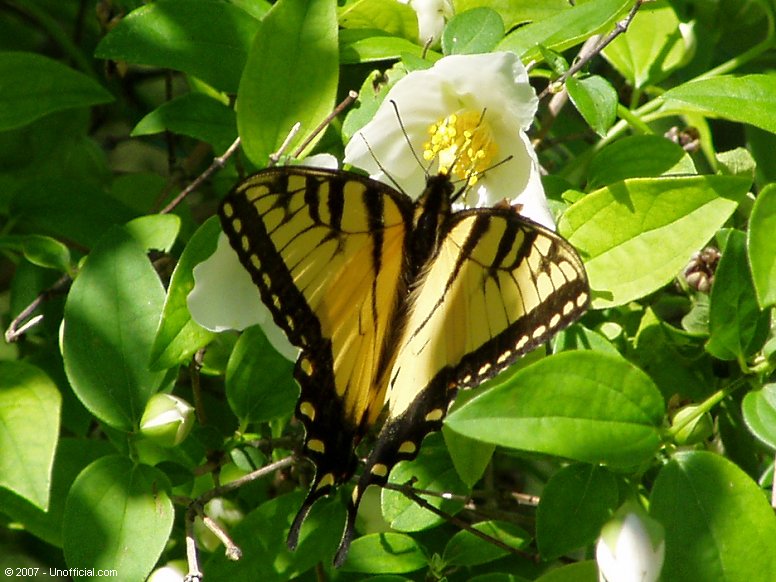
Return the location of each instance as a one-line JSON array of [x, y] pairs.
[[663, 393]]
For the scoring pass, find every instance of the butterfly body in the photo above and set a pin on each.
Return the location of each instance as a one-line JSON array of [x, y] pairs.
[[395, 304]]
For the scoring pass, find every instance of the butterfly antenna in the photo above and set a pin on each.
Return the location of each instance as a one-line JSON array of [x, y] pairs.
[[380, 165], [406, 135]]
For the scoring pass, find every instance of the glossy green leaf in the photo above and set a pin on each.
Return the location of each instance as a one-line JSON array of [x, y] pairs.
[[42, 251], [291, 76], [638, 156], [259, 381], [32, 86], [652, 47], [472, 32], [596, 100], [564, 29], [385, 553], [179, 336], [118, 516], [575, 504], [29, 428], [432, 470], [718, 523], [759, 411], [359, 46], [157, 232], [636, 235], [72, 456], [737, 326], [195, 115], [261, 536], [761, 245], [208, 39], [111, 315], [746, 98], [588, 406], [393, 18], [518, 12], [467, 549]]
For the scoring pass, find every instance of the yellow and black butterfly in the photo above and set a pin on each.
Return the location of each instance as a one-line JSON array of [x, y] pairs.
[[393, 303]]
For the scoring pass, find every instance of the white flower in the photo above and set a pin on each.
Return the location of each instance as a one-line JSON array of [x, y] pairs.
[[432, 17], [631, 547], [466, 116]]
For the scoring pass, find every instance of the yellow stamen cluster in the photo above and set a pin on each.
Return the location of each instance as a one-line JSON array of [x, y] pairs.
[[462, 144]]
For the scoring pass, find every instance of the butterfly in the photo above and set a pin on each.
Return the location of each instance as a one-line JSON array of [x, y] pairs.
[[394, 304]]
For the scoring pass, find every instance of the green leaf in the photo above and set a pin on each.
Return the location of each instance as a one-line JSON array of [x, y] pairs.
[[596, 100], [467, 549], [432, 470], [638, 156], [578, 572], [32, 86], [195, 115], [759, 411], [636, 235], [738, 328], [587, 405], [208, 39], [357, 46], [155, 231], [259, 381], [472, 32], [72, 456], [291, 76], [179, 336], [761, 245], [564, 29], [268, 553], [385, 553], [718, 523], [469, 457], [652, 47], [111, 315], [29, 428], [118, 516], [68, 209], [394, 18], [576, 502], [39, 250], [748, 99]]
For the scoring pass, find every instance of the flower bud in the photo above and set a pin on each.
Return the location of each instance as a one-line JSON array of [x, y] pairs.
[[631, 547], [167, 420], [694, 431]]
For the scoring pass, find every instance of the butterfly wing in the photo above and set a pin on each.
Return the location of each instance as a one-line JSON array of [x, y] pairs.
[[326, 250], [499, 286]]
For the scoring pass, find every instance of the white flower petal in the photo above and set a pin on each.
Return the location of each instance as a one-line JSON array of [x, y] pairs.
[[224, 297]]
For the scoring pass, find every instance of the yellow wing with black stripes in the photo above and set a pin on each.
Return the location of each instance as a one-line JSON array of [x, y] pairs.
[[394, 303]]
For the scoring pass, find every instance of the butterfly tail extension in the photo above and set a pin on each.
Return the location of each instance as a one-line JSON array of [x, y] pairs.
[[399, 440]]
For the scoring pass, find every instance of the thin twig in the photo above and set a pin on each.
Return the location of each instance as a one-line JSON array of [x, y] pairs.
[[620, 28], [274, 157], [23, 322], [408, 491], [196, 508], [346, 102], [217, 164]]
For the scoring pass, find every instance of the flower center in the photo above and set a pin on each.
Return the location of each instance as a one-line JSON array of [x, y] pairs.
[[463, 145]]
